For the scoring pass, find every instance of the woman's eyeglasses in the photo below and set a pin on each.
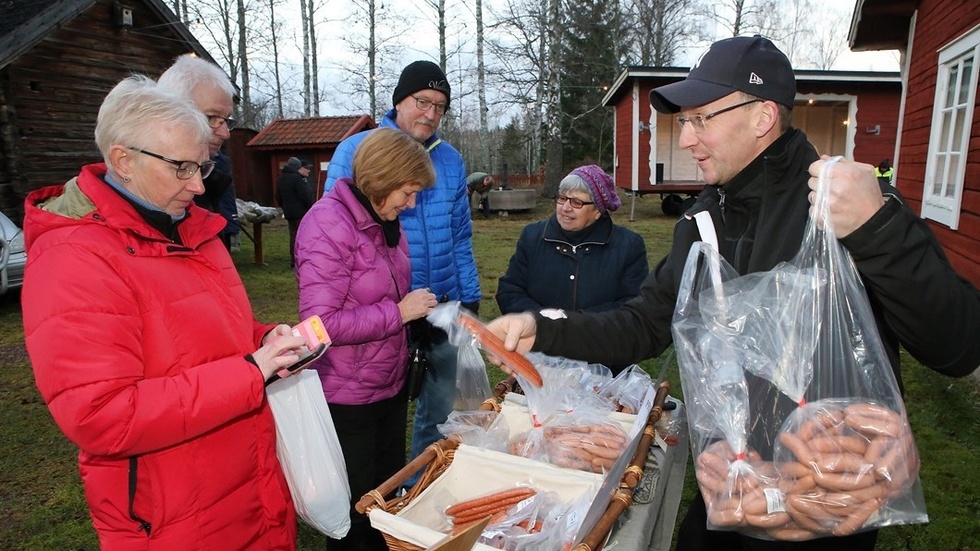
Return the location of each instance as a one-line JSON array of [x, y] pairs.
[[185, 169], [576, 203]]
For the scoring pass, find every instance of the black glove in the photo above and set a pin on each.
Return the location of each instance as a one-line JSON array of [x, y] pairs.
[[473, 307]]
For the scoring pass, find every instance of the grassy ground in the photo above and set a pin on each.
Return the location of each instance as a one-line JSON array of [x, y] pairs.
[[44, 507]]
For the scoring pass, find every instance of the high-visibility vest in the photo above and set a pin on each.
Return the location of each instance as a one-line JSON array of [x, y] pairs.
[[886, 175]]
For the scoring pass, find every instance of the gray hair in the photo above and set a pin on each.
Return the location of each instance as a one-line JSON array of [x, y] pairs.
[[574, 182], [138, 107], [190, 71]]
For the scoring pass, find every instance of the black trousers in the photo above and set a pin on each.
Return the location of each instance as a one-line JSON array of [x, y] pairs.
[[694, 536], [293, 228], [373, 439]]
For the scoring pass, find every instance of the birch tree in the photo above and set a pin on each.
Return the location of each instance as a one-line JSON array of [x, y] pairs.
[[247, 115], [373, 40], [660, 29], [519, 48], [481, 87], [274, 27], [553, 172], [305, 21]]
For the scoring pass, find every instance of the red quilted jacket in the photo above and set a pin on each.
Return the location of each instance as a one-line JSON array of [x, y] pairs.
[[137, 345]]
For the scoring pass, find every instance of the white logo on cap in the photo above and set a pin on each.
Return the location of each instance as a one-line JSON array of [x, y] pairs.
[[700, 57], [440, 85], [755, 79]]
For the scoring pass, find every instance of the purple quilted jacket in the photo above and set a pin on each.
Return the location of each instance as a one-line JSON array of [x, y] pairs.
[[354, 282]]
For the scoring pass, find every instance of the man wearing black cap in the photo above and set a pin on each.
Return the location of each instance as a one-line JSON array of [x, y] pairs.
[[735, 116], [438, 230]]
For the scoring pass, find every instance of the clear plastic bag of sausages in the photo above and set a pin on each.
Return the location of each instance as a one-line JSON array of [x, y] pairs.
[[797, 422]]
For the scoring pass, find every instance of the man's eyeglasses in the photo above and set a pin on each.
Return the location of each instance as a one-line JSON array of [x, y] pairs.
[[214, 121], [185, 169], [576, 203], [698, 121], [425, 105]]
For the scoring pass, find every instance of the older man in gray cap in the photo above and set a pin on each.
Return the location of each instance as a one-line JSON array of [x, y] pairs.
[[735, 116]]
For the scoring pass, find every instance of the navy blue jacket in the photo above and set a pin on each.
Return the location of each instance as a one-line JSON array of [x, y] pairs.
[[594, 269]]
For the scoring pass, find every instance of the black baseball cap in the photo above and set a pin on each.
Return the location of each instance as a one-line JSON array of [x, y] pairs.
[[751, 64]]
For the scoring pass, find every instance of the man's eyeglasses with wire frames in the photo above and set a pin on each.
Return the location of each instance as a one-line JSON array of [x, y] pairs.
[[575, 203], [698, 121], [425, 104], [185, 169], [215, 122]]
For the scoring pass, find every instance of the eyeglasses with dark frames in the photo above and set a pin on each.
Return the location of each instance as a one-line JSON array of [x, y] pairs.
[[185, 169], [575, 203], [425, 105], [214, 121], [698, 121]]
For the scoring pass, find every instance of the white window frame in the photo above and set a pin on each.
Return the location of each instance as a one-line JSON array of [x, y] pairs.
[[942, 189]]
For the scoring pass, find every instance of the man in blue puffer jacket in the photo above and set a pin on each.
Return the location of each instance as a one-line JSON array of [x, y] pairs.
[[438, 229]]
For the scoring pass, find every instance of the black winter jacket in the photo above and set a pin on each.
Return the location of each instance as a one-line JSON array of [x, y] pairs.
[[293, 194], [760, 216]]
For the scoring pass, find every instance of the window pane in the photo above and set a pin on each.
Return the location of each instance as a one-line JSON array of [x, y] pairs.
[[964, 94], [944, 144], [951, 84], [949, 190], [938, 177], [959, 126]]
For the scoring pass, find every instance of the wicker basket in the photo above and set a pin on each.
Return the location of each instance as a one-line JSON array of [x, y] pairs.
[[435, 459]]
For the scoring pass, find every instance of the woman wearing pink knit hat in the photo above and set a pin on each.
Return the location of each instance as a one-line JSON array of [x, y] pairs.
[[576, 259]]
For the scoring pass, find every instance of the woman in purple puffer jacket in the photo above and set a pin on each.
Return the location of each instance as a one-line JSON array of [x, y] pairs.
[[353, 271]]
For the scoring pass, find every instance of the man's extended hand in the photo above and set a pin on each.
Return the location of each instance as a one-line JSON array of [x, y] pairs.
[[516, 330]]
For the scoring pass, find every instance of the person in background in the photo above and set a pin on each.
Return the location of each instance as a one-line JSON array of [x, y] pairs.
[[207, 86], [353, 271], [304, 171], [295, 198], [143, 342], [577, 260], [478, 186], [735, 118], [228, 204], [439, 231], [884, 172]]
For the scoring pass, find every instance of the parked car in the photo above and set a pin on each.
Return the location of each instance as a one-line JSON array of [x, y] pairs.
[[13, 256]]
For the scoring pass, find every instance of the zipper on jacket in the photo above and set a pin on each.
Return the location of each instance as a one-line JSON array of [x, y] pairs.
[[144, 525], [721, 203]]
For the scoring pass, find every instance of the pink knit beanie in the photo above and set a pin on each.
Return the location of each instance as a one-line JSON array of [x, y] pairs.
[[601, 186]]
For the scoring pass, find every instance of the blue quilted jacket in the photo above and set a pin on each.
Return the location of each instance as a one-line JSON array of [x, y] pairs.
[[439, 229]]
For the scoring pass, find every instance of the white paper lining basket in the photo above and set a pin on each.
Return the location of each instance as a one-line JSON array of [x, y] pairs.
[[474, 472], [451, 472]]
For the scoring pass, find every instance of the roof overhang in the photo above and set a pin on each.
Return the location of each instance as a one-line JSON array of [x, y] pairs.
[[672, 74], [881, 24]]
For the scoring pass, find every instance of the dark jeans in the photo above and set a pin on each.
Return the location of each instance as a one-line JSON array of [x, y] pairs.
[[293, 227], [373, 439], [694, 536]]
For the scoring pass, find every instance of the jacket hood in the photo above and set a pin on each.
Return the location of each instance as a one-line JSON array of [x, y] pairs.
[[87, 199]]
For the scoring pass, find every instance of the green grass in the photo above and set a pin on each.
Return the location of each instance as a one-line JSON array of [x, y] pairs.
[[41, 493]]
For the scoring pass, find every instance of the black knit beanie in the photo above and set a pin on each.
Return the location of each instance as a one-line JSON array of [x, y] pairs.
[[421, 75]]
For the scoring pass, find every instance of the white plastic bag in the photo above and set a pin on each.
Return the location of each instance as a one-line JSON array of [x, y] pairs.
[[310, 454]]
